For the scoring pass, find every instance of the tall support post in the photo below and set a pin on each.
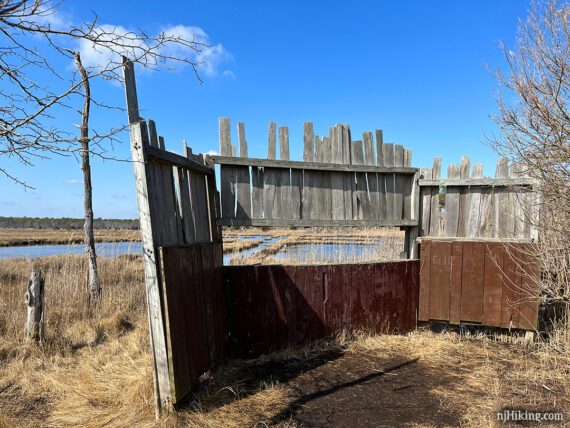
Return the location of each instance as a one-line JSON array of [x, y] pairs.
[[139, 142]]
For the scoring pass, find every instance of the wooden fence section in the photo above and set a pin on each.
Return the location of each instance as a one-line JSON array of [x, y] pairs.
[[274, 306], [194, 313], [340, 182], [477, 207], [493, 283], [176, 198]]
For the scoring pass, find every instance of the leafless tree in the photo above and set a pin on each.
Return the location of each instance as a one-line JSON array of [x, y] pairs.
[[535, 125], [33, 45]]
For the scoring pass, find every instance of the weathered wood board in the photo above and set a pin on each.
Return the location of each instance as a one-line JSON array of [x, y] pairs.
[[477, 282]]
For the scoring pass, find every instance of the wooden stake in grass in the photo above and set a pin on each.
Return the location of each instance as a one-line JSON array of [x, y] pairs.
[[34, 299]]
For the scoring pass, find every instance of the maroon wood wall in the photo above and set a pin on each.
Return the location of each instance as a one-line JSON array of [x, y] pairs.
[[194, 310], [273, 306], [483, 282]]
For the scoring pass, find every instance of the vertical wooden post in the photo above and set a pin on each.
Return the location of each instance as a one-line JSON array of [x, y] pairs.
[[34, 299]]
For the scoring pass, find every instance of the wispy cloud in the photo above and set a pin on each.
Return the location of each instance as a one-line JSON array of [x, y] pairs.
[[72, 182], [118, 196], [208, 56], [230, 74]]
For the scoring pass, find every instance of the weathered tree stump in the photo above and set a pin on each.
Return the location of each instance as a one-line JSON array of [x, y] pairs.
[[34, 300]]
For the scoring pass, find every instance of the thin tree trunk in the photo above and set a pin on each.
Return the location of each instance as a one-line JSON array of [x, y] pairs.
[[93, 284], [34, 299]]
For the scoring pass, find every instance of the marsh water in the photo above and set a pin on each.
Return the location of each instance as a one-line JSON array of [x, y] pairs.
[[314, 253]]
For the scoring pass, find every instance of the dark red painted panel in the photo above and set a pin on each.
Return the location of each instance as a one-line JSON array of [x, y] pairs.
[[310, 302]]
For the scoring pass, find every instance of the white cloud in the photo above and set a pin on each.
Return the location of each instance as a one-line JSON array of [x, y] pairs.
[[72, 182], [208, 56], [230, 74], [119, 196], [212, 153]]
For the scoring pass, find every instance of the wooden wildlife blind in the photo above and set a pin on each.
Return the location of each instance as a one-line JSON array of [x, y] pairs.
[[200, 311]]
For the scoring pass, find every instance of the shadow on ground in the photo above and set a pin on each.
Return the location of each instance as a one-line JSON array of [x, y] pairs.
[[334, 388]]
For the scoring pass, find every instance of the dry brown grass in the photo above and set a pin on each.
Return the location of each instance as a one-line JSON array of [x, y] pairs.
[[13, 237], [95, 369], [236, 245]]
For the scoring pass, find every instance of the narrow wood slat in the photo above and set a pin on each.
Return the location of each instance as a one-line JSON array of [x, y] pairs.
[[425, 281], [455, 285], [501, 202], [434, 228], [452, 197], [317, 223], [271, 179], [200, 207], [360, 201], [440, 280], [493, 284], [322, 206], [349, 179], [309, 141], [228, 195], [371, 178], [319, 166], [336, 178], [398, 183], [243, 179], [464, 170], [425, 204], [285, 182], [474, 203], [148, 219], [472, 283], [380, 153], [408, 184], [257, 181], [388, 158]]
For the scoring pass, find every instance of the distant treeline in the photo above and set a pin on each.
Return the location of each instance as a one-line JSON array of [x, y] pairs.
[[64, 223]]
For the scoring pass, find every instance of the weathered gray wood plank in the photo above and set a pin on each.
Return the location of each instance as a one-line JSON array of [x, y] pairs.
[[257, 192], [309, 141], [226, 171], [501, 200], [474, 203], [336, 178], [463, 198], [243, 179], [349, 179], [371, 178], [317, 223], [148, 226], [388, 159], [452, 203], [360, 203], [381, 177], [409, 182], [425, 201], [271, 178], [285, 183], [398, 183], [434, 228], [313, 166]]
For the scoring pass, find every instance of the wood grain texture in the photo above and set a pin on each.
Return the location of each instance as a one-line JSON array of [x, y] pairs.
[[452, 200], [434, 228], [309, 142]]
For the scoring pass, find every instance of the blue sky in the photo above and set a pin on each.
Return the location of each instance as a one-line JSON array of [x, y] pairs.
[[419, 70]]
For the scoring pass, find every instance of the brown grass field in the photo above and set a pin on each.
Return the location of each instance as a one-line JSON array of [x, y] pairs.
[[15, 237], [94, 369]]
